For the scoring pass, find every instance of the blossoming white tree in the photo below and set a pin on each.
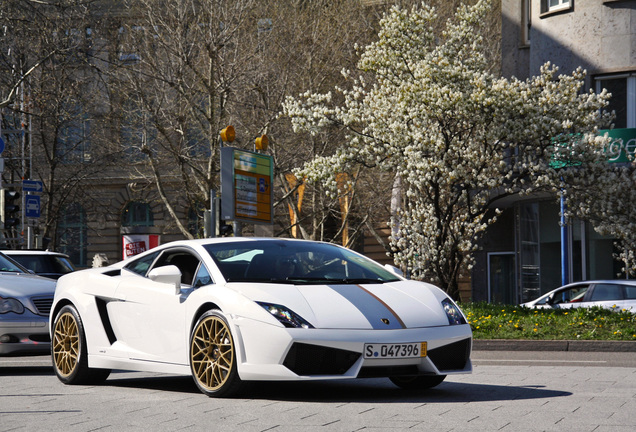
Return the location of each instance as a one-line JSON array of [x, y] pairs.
[[425, 107]]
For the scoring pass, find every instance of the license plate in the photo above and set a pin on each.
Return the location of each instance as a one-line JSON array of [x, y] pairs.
[[405, 350]]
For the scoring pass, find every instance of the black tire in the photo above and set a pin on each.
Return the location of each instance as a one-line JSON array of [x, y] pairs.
[[213, 356], [417, 382], [68, 350]]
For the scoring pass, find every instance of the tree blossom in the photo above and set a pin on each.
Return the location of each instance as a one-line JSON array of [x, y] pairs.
[[425, 107]]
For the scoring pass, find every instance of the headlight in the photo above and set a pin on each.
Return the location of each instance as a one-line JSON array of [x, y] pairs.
[[287, 317], [10, 305], [453, 313]]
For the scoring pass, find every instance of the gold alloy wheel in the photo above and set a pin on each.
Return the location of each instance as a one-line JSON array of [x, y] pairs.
[[212, 353], [66, 347]]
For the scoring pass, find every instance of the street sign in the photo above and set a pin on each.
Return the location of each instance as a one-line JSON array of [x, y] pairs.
[[1, 145], [32, 206], [246, 186], [31, 186]]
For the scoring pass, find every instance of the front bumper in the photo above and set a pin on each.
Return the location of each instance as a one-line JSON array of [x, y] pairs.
[[275, 353], [23, 334]]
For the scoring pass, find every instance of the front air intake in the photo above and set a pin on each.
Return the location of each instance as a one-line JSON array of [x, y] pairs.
[[450, 357], [305, 359]]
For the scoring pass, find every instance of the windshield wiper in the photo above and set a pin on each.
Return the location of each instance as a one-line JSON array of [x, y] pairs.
[[312, 280], [363, 281], [262, 280], [327, 280]]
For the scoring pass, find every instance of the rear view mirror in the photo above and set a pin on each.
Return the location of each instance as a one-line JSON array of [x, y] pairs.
[[169, 274]]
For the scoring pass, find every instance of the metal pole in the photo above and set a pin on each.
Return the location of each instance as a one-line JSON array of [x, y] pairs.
[[237, 228], [213, 215], [565, 274]]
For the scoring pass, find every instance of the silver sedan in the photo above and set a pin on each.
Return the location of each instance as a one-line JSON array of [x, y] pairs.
[[611, 294], [25, 303]]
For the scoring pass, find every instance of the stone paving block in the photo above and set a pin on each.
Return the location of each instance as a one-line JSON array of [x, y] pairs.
[[495, 397]]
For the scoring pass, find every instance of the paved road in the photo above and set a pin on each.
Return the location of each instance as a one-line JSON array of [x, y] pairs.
[[508, 391]]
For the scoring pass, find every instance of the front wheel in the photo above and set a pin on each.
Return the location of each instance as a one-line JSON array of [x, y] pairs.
[[69, 352], [417, 382], [213, 356]]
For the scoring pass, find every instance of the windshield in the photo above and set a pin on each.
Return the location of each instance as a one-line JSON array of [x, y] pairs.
[[6, 265], [295, 262], [45, 263]]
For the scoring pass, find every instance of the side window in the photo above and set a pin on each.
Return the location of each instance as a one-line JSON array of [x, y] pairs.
[[607, 292], [630, 292], [570, 295], [141, 265], [185, 261], [202, 278]]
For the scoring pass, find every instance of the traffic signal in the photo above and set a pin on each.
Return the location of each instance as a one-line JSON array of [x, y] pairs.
[[9, 208], [228, 134], [262, 142]]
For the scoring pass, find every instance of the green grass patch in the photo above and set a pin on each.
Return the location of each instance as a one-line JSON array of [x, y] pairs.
[[498, 321]]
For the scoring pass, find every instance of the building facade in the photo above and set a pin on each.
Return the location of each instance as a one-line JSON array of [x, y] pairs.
[[112, 97], [528, 251]]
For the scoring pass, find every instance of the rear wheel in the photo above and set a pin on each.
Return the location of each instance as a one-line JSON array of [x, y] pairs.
[[213, 356], [417, 382], [69, 352]]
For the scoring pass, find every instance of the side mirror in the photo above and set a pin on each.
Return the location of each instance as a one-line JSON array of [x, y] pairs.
[[169, 274], [394, 269]]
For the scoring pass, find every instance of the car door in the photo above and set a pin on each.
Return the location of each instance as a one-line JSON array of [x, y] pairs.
[[607, 295], [150, 315], [630, 298]]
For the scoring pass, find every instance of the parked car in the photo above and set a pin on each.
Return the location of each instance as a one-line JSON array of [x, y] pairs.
[[43, 263], [612, 294], [229, 310], [25, 304]]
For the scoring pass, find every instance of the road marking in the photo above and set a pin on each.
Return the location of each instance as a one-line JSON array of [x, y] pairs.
[[542, 361]]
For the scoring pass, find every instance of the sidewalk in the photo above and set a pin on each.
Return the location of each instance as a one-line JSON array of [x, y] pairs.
[[553, 345]]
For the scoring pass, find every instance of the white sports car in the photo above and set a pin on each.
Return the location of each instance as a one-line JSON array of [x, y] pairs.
[[241, 309]]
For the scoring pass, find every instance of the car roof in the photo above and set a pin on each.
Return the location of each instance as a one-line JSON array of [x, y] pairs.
[[31, 252], [239, 239], [200, 243], [601, 281]]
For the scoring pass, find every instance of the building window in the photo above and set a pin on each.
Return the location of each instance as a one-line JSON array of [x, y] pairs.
[[623, 101], [128, 54], [72, 232], [551, 6], [264, 25], [525, 22], [76, 44], [73, 138], [558, 4], [137, 131], [137, 214]]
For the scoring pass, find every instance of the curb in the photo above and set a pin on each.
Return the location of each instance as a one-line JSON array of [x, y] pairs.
[[553, 345]]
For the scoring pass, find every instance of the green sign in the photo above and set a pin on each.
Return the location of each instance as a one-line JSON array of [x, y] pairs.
[[622, 146], [560, 157]]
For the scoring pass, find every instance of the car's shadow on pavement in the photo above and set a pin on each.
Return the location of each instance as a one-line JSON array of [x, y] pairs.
[[382, 390], [26, 370], [363, 390]]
